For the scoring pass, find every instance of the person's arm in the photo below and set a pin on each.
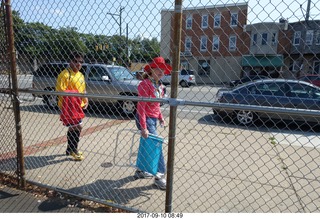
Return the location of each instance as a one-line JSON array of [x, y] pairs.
[[85, 100], [61, 86], [141, 108]]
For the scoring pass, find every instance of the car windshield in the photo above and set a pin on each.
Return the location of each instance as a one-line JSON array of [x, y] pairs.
[[121, 73]]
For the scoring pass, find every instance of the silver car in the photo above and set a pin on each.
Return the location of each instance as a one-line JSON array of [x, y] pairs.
[[270, 93], [100, 79]]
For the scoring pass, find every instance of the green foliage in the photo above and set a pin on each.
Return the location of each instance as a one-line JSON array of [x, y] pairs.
[[39, 41]]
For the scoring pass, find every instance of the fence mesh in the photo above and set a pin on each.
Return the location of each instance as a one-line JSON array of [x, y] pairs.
[[7, 126], [258, 151]]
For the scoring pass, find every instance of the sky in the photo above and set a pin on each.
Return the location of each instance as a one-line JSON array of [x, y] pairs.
[[142, 17]]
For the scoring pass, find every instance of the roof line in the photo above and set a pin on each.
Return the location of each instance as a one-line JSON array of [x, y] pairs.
[[211, 7]]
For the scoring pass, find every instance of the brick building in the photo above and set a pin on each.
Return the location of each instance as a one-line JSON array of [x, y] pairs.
[[213, 40]]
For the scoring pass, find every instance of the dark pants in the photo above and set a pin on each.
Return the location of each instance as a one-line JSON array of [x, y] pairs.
[[73, 136]]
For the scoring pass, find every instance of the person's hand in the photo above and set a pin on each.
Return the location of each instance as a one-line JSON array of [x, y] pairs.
[[162, 123], [145, 133], [86, 103]]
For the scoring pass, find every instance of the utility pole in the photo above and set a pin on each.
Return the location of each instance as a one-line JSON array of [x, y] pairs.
[[120, 16], [308, 11]]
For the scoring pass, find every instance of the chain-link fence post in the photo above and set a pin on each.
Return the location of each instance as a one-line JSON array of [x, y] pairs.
[[14, 96], [173, 106]]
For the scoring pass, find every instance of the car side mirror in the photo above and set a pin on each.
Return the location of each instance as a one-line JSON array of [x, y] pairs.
[[105, 78]]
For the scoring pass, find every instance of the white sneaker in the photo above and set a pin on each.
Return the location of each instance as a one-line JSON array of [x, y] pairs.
[[161, 183], [142, 175]]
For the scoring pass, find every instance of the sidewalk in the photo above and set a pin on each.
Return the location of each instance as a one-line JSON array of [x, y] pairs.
[[242, 173], [17, 201]]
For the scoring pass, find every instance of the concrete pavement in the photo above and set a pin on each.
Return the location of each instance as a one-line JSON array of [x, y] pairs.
[[218, 168]]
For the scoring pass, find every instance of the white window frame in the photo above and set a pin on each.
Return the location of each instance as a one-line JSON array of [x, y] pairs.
[[215, 43], [204, 21], [232, 43], [274, 39], [317, 37], [217, 20], [254, 39], [188, 41], [203, 43], [296, 38], [295, 66], [234, 19], [189, 20], [309, 37], [264, 38]]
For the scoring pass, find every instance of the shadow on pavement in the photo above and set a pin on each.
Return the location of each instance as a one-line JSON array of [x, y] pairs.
[[93, 111], [113, 192], [33, 162], [289, 127]]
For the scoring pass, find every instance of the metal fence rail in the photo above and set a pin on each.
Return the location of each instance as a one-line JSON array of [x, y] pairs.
[[215, 162]]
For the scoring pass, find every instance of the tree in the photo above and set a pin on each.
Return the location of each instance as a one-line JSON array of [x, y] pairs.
[[39, 41]]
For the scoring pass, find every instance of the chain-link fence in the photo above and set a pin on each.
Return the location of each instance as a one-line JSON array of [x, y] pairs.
[[240, 133]]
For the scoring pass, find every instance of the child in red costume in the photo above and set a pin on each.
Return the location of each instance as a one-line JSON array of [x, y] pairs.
[[148, 113]]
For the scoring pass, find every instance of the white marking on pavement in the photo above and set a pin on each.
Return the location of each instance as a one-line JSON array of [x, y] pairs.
[[297, 140]]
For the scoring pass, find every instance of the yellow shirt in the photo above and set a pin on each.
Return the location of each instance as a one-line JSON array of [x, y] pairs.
[[70, 80]]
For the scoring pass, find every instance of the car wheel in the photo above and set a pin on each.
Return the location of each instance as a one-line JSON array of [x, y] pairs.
[[184, 84], [51, 100], [245, 117], [128, 107]]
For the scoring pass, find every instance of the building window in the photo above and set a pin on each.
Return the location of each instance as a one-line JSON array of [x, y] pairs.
[[316, 67], [232, 43], [203, 43], [296, 38], [254, 39], [309, 37], [189, 22], [296, 66], [234, 19], [215, 43], [204, 21], [264, 39], [274, 39], [188, 44], [317, 37], [217, 20]]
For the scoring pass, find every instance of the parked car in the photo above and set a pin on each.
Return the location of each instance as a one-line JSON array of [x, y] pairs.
[[272, 93], [313, 79], [186, 78], [137, 74], [100, 79], [246, 79]]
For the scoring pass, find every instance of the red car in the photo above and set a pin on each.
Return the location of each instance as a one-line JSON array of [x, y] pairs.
[[313, 79]]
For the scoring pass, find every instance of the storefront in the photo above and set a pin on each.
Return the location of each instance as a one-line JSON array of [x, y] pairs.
[[268, 65]]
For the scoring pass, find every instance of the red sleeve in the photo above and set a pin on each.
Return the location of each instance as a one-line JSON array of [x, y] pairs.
[[143, 91]]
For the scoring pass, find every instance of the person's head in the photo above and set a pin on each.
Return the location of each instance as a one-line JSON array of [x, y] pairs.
[[76, 60], [157, 68]]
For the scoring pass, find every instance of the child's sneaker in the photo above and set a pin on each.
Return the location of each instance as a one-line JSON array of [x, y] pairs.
[[77, 157], [161, 183], [139, 174], [68, 153]]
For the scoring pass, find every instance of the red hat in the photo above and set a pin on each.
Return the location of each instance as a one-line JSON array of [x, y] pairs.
[[158, 62]]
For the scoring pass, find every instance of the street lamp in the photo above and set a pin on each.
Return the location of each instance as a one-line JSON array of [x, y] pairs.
[[120, 16]]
